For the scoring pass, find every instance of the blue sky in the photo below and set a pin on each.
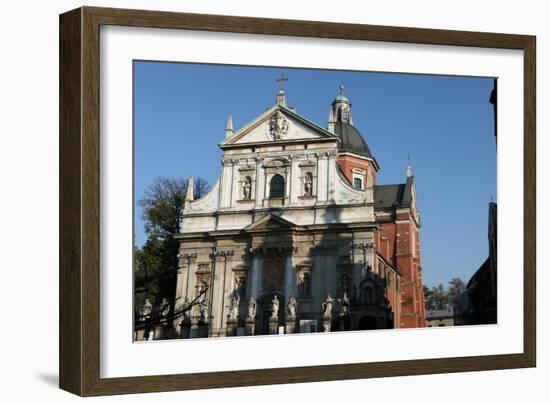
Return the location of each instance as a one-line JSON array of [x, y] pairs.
[[444, 123]]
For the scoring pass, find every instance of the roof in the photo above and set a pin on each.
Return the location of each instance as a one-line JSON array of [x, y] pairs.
[[351, 140], [448, 312], [386, 196], [341, 98], [479, 275]]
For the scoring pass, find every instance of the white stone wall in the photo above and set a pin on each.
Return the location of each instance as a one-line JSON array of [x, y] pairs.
[[253, 152]]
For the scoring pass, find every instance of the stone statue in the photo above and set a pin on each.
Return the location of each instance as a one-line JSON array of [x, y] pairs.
[[308, 184], [327, 307], [247, 188], [147, 308], [344, 305], [234, 307], [203, 287], [182, 307], [203, 306], [291, 308], [251, 309], [240, 284], [305, 284], [275, 307], [164, 308]]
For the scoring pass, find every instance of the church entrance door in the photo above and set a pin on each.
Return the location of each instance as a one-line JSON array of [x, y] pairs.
[[367, 323], [264, 305]]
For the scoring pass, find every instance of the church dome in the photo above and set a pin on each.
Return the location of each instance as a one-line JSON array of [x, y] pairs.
[[341, 98], [341, 124], [351, 140]]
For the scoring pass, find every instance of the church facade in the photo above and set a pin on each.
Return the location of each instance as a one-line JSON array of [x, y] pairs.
[[297, 236]]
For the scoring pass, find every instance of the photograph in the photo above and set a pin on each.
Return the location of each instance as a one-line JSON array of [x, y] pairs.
[[279, 201]]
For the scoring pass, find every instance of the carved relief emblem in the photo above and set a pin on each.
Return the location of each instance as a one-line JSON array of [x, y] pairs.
[[278, 126]]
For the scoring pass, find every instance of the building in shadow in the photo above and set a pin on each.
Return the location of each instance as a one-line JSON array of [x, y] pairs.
[[477, 305], [297, 236]]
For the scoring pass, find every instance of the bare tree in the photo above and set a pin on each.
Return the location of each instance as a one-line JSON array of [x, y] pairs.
[[156, 262]]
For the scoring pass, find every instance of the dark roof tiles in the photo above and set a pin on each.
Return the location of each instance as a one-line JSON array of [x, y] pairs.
[[351, 140], [386, 196]]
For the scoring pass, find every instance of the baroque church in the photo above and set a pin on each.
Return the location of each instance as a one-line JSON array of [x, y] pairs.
[[296, 236]]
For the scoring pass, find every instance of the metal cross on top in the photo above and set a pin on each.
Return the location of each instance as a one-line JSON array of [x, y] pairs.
[[281, 80]]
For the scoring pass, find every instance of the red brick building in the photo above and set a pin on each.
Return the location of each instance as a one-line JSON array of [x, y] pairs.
[[397, 240]]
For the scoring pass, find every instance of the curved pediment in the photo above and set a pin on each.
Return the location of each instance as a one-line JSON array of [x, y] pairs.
[[277, 163]]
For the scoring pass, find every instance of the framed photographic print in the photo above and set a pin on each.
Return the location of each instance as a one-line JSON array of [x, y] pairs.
[[249, 201]]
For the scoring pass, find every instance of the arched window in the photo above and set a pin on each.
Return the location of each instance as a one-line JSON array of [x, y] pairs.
[[357, 183], [277, 187]]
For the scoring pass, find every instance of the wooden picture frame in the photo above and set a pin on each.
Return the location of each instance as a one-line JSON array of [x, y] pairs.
[[80, 200]]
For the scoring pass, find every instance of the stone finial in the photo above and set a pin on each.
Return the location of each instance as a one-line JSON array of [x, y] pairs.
[[229, 127], [189, 196], [409, 167], [281, 96], [330, 126]]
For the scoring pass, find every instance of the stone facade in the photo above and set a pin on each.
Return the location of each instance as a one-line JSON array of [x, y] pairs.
[[290, 238]]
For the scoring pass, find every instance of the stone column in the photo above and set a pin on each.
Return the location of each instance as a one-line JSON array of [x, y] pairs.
[[260, 184], [322, 178], [331, 170], [255, 274], [289, 277]]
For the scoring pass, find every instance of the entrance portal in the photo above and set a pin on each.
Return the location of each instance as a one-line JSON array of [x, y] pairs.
[[367, 323], [264, 311]]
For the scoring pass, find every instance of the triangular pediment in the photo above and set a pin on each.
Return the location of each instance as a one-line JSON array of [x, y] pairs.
[[278, 124], [270, 222]]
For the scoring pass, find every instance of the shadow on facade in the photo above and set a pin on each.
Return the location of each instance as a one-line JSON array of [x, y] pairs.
[[322, 276], [291, 279]]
